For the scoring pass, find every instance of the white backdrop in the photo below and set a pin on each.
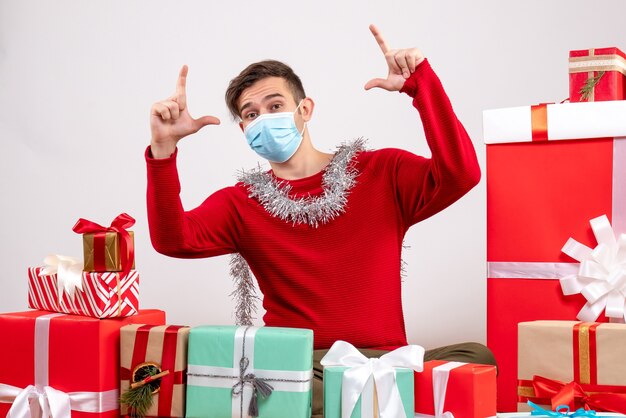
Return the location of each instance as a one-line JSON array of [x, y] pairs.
[[77, 79]]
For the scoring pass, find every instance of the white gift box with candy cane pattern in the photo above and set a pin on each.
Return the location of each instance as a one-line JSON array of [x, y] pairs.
[[99, 295]]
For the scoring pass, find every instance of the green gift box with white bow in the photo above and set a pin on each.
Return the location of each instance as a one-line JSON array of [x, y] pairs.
[[367, 401], [235, 372], [358, 387]]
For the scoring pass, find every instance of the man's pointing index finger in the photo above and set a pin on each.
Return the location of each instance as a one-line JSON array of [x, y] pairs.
[[182, 80], [379, 38], [181, 87]]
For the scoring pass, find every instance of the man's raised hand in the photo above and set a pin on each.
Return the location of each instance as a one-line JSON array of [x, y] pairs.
[[401, 63], [170, 120]]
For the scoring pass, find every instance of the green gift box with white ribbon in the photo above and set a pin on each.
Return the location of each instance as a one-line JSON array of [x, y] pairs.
[[367, 405], [359, 387], [236, 372]]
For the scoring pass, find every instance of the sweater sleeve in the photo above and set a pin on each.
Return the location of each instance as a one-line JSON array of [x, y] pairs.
[[209, 230], [427, 186]]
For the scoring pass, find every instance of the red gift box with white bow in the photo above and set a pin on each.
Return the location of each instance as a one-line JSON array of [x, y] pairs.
[[64, 365], [550, 170]]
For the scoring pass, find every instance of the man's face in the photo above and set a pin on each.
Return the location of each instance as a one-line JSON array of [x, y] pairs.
[[268, 95]]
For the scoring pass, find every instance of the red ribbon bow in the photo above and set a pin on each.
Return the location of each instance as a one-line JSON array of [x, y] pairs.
[[119, 225], [573, 395]]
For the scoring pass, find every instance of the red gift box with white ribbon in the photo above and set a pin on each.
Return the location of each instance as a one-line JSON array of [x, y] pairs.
[[455, 389], [550, 170], [52, 364]]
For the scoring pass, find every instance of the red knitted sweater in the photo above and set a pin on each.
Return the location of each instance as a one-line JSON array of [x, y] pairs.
[[341, 279]]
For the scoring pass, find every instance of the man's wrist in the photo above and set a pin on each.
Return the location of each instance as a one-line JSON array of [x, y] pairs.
[[410, 84], [161, 151]]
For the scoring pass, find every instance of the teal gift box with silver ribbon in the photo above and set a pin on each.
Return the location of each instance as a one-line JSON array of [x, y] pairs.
[[237, 372]]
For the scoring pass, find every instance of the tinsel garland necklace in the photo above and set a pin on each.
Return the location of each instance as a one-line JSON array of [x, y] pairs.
[[338, 178]]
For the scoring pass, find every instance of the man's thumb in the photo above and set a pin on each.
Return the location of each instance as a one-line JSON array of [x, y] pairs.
[[206, 120], [378, 82]]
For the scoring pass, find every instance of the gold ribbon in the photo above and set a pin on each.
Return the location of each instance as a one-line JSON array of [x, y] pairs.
[[584, 358], [591, 63], [119, 295]]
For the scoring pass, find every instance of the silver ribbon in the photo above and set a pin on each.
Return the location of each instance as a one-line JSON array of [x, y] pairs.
[[246, 381]]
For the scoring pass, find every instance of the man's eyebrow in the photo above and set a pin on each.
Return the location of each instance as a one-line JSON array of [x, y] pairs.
[[266, 98]]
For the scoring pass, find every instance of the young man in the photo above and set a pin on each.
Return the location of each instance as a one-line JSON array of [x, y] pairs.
[[322, 233]]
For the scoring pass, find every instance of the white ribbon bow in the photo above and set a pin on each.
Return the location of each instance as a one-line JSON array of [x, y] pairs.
[[46, 403], [69, 271], [382, 369], [601, 277]]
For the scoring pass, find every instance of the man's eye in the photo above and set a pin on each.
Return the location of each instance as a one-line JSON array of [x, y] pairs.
[[277, 106], [251, 115]]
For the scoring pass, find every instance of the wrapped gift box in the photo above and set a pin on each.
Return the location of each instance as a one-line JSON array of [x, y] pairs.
[[103, 295], [279, 357], [356, 386], [164, 349], [108, 248], [553, 354], [597, 75], [76, 358], [102, 251], [469, 390], [368, 400], [541, 190]]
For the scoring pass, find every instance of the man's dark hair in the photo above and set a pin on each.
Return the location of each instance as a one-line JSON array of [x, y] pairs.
[[258, 71]]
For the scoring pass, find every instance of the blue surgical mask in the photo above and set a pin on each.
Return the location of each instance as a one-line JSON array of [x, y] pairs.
[[274, 136]]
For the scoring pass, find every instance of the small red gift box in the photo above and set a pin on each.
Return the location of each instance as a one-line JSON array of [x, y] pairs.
[[67, 363], [541, 190], [465, 390], [103, 295], [597, 75]]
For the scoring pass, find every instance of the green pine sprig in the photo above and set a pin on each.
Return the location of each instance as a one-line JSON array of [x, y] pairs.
[[590, 84], [138, 400]]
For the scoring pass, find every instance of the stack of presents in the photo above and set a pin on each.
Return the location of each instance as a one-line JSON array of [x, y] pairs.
[[556, 186]]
